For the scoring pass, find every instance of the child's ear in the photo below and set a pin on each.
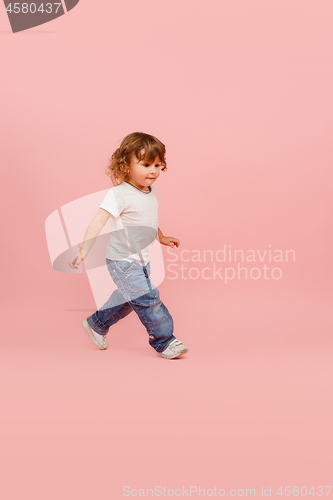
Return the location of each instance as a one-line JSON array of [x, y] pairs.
[[124, 168]]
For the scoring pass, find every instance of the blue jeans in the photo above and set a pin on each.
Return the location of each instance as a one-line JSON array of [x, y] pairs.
[[135, 292]]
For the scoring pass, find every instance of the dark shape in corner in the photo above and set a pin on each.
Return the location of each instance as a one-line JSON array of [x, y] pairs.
[[20, 21], [70, 4]]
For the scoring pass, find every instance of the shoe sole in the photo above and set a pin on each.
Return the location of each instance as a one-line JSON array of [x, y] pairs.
[[88, 330], [161, 355]]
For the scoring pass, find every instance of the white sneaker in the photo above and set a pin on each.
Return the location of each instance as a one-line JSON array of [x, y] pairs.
[[174, 350], [98, 339]]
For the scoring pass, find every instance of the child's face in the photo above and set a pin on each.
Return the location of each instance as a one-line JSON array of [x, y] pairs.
[[143, 173]]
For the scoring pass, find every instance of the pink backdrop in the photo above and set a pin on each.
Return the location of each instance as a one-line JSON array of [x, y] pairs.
[[241, 95]]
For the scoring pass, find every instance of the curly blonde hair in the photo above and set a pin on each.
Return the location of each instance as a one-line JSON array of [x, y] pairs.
[[131, 145]]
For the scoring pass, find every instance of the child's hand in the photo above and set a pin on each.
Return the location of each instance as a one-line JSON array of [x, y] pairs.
[[76, 259], [170, 241]]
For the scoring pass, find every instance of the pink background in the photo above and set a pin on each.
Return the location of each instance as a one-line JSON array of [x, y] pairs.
[[241, 95]]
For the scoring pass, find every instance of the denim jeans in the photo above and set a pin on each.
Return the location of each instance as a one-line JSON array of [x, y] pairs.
[[135, 292]]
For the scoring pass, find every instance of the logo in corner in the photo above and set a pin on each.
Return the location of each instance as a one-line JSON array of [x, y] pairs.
[[25, 15]]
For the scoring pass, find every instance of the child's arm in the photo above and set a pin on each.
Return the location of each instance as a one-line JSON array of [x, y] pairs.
[[170, 241], [159, 235], [93, 230]]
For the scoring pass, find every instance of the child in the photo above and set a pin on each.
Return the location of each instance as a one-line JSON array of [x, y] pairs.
[[133, 208]]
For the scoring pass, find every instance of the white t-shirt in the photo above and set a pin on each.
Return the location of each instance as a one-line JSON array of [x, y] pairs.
[[134, 222]]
